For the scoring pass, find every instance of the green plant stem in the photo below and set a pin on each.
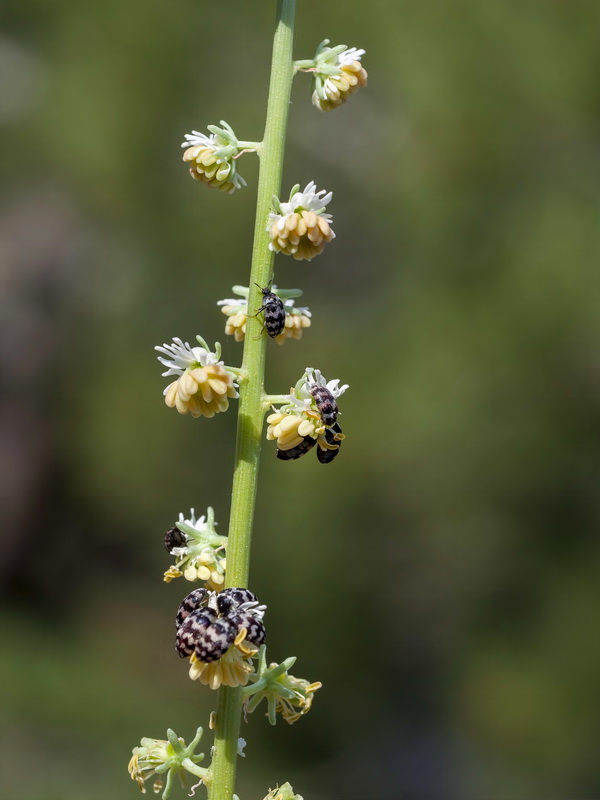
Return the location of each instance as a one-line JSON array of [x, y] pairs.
[[251, 407]]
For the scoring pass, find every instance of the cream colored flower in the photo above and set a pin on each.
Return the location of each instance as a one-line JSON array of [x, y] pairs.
[[296, 320], [300, 228], [212, 158], [204, 385], [202, 556], [331, 90]]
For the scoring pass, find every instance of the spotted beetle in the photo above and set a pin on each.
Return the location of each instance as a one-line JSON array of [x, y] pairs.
[[229, 600], [274, 312], [333, 436], [205, 635], [192, 602], [325, 401], [255, 627], [174, 538], [208, 623], [191, 629], [299, 450]]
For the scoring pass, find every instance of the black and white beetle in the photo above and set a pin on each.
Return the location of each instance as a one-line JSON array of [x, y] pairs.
[[325, 402], [299, 450], [207, 623], [174, 538], [333, 436], [274, 311]]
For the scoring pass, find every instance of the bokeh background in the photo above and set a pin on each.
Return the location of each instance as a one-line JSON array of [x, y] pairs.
[[441, 577]]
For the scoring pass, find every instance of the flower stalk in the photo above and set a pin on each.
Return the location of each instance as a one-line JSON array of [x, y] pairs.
[[252, 406]]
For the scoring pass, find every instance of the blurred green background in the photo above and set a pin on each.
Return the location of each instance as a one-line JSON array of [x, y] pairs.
[[441, 577]]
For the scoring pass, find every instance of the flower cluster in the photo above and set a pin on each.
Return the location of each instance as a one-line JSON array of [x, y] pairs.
[[338, 73], [168, 757], [300, 228], [198, 550], [236, 310], [204, 385], [308, 417], [289, 696], [220, 633], [285, 792], [212, 158]]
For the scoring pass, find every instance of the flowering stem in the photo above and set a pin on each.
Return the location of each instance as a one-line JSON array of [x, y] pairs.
[[251, 407]]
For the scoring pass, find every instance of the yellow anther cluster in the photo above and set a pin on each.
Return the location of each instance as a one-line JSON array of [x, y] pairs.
[[338, 88], [302, 235], [232, 669], [204, 167], [202, 391], [290, 429]]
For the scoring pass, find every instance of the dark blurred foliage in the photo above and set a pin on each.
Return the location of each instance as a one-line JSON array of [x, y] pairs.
[[441, 577]]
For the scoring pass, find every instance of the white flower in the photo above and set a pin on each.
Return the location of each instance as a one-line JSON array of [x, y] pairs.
[[315, 378], [195, 138], [204, 384], [181, 356], [300, 228], [203, 555], [307, 200], [199, 524], [350, 55], [337, 73], [213, 158]]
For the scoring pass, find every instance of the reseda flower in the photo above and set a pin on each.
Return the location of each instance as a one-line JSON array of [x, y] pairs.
[[338, 73], [291, 697], [201, 554], [236, 309], [212, 158], [170, 756], [204, 383], [306, 417], [300, 228]]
